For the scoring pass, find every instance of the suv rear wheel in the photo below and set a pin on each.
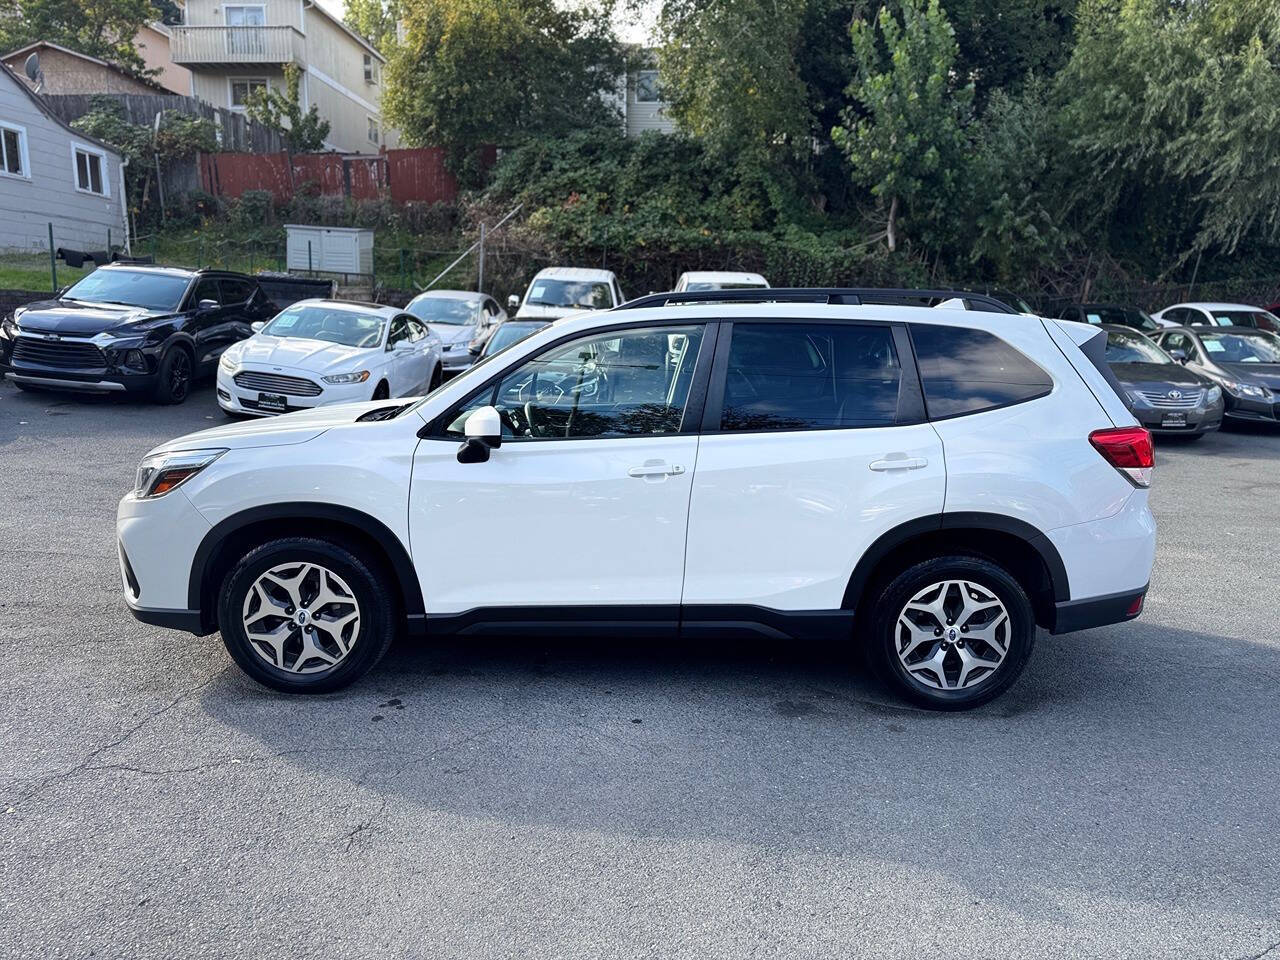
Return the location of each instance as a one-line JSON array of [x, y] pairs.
[[952, 632], [304, 615]]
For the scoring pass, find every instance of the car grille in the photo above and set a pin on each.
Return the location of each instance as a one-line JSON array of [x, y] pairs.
[[1160, 398], [276, 383], [69, 354]]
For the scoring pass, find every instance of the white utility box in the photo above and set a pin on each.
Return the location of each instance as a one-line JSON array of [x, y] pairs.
[[329, 249]]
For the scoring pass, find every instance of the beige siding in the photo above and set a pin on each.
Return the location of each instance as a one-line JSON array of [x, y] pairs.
[[153, 46], [643, 116], [67, 73], [336, 84], [211, 13], [48, 194], [214, 86]]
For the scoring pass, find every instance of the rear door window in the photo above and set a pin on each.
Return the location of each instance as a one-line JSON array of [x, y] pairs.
[[800, 376], [965, 370]]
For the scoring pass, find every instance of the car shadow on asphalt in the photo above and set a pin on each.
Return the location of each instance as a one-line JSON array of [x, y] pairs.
[[1139, 747]]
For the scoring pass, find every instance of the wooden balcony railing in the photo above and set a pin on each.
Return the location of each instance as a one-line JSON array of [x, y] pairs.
[[236, 45]]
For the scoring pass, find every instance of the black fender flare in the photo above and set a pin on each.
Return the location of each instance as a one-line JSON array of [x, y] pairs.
[[396, 552], [963, 520]]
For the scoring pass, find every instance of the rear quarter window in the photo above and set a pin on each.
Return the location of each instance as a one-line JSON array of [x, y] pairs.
[[966, 371]]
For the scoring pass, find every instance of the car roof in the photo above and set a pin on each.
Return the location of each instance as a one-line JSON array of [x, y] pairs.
[[1207, 305], [355, 306], [728, 275], [183, 272], [449, 295], [574, 273]]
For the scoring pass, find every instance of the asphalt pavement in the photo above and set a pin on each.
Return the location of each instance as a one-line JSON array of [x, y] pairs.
[[534, 798]]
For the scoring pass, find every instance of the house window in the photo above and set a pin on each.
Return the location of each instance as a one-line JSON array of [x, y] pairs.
[[242, 88], [373, 130], [13, 151], [91, 170], [647, 87], [370, 69]]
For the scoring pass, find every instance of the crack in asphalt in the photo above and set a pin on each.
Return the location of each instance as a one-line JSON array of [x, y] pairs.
[[1269, 950]]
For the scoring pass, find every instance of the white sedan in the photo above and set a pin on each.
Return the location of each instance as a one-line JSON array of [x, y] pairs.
[[320, 352]]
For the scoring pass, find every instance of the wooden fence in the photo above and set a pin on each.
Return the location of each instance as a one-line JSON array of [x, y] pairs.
[[235, 130], [405, 176]]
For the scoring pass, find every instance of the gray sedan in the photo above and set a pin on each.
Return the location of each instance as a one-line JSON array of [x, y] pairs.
[[462, 319]]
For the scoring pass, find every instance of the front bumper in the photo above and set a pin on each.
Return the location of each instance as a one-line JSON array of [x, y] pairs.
[[238, 400], [451, 362], [157, 541], [1196, 420], [1255, 411]]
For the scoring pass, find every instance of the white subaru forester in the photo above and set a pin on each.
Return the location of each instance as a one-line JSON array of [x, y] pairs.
[[928, 485]]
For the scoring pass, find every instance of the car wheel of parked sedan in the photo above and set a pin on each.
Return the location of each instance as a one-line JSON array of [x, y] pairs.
[[173, 378], [303, 615], [952, 632]]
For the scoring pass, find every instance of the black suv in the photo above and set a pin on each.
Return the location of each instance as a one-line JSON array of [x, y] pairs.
[[136, 328]]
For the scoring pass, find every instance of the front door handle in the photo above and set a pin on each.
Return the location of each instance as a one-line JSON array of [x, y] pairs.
[[899, 463], [656, 468]]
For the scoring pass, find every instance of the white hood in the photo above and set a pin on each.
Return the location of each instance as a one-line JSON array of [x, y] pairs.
[[318, 357], [298, 427]]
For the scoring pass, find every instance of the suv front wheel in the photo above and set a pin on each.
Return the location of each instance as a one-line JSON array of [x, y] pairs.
[[304, 615], [952, 632]]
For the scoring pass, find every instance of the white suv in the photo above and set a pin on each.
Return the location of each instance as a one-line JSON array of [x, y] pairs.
[[929, 485]]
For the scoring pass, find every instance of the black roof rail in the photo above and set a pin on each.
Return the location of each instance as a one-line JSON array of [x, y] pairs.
[[852, 296]]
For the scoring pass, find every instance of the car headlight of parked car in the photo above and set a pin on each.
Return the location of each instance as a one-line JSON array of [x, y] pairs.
[[160, 473], [228, 363], [1213, 396], [1246, 391], [8, 326], [359, 376]]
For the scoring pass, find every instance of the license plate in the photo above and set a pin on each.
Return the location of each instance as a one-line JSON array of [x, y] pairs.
[[1174, 420], [272, 401]]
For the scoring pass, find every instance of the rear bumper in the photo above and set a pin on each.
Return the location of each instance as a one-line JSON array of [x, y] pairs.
[[1071, 615], [189, 621]]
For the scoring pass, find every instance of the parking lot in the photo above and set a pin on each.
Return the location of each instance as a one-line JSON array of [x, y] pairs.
[[534, 798]]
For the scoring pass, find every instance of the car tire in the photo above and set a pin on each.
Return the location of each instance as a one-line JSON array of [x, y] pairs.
[[173, 376], [274, 647], [381, 392], [966, 636]]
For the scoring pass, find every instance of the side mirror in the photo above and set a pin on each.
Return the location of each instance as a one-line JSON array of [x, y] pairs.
[[204, 306], [483, 431], [513, 302], [257, 325], [1179, 355], [402, 345]]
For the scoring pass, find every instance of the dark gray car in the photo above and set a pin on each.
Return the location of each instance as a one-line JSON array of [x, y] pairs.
[[1244, 361], [1165, 396]]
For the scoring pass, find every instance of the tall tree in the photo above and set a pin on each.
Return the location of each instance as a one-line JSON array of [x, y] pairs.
[[477, 72], [99, 28], [375, 20], [905, 131], [281, 110]]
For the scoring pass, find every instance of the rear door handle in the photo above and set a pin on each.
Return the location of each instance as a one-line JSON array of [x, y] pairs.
[[899, 463], [656, 468]]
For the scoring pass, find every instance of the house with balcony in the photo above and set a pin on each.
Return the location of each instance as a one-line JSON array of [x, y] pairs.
[[231, 49]]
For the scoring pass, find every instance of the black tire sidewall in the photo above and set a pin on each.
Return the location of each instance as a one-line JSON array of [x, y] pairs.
[[377, 620], [904, 586], [163, 391]]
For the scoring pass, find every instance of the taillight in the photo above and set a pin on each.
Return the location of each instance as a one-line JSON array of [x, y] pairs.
[[1129, 450]]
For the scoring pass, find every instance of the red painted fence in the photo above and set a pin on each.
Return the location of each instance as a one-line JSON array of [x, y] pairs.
[[417, 175]]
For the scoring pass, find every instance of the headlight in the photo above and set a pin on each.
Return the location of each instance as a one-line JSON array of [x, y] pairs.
[[1245, 390], [8, 326], [1213, 396], [360, 376], [228, 363], [159, 474]]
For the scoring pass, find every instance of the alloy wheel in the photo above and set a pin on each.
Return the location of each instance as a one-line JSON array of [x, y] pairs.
[[301, 617], [179, 375], [952, 635]]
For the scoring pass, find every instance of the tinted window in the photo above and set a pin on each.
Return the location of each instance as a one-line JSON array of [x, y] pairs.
[[236, 291], [511, 332], [206, 289], [1257, 347], [632, 383], [810, 377], [399, 330], [964, 371], [451, 310]]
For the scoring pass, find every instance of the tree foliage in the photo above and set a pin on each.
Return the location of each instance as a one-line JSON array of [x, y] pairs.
[[375, 20], [905, 132], [99, 28], [477, 72], [282, 111]]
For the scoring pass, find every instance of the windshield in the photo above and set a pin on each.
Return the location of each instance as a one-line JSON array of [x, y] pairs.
[[575, 294], [132, 288], [1133, 348], [1120, 316], [507, 334], [714, 285], [346, 327], [1243, 318], [448, 310], [1257, 347]]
